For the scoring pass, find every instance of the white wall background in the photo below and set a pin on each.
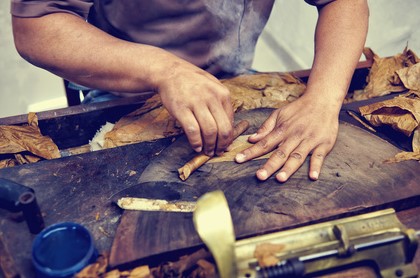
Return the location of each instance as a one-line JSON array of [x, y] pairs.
[[22, 84], [285, 45], [287, 41]]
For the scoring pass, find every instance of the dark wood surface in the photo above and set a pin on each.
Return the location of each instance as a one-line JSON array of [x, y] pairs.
[[354, 180], [76, 188]]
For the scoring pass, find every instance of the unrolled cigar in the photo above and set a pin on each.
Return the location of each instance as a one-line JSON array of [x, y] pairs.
[[199, 160]]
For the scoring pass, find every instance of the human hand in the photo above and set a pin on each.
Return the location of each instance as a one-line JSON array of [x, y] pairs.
[[202, 106], [302, 127]]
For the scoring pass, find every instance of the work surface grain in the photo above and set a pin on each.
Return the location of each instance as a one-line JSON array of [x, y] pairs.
[[79, 189], [354, 180]]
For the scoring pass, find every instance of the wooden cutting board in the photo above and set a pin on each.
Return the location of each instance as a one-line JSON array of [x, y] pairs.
[[354, 180]]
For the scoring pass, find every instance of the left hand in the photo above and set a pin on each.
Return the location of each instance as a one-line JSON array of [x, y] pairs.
[[307, 125]]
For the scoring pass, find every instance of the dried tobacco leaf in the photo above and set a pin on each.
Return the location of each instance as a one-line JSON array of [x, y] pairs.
[[403, 156], [240, 144], [9, 162], [401, 113], [264, 90], [416, 140], [265, 253], [410, 77], [96, 269], [383, 78], [137, 127], [152, 121], [17, 139], [414, 155]]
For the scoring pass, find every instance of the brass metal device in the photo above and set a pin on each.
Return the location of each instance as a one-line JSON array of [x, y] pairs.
[[377, 239]]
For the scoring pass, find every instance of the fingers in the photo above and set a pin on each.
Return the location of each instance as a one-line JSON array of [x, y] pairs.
[[267, 137], [293, 162], [288, 156], [209, 130], [265, 128], [289, 159], [191, 128], [205, 117], [317, 160], [223, 115]]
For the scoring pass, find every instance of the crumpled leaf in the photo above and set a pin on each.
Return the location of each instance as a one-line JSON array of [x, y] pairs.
[[140, 126], [383, 78], [401, 113], [96, 269], [265, 253], [28, 138], [403, 156], [9, 162], [410, 77], [414, 155], [416, 140], [264, 90], [152, 121]]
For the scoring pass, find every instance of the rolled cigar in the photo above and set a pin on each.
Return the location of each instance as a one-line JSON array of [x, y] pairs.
[[199, 160]]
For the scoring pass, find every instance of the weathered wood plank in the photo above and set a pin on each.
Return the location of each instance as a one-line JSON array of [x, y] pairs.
[[354, 180]]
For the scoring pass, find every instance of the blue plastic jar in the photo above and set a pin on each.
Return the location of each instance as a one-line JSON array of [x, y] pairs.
[[62, 250]]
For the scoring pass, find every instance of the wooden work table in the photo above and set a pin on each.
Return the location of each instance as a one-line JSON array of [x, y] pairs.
[[80, 187]]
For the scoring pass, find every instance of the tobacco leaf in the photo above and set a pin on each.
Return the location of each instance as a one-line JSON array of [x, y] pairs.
[[152, 121], [403, 156], [205, 269], [414, 155], [241, 143], [96, 269], [8, 162], [401, 113], [264, 90], [27, 138], [138, 127], [265, 253], [410, 77], [383, 78], [416, 140]]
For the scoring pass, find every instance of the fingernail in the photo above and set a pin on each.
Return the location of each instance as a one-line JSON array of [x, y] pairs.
[[282, 176], [262, 174], [240, 158], [314, 175], [198, 149], [253, 136]]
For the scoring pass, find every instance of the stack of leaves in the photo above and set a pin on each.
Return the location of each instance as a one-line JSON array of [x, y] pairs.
[[25, 144], [383, 78], [152, 121], [395, 74]]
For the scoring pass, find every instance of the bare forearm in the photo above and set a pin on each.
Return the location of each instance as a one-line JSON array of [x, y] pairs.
[[339, 41], [73, 49]]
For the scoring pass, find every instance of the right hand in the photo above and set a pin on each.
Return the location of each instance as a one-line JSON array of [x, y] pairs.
[[201, 104]]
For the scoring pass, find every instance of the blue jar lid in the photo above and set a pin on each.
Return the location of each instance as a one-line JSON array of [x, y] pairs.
[[62, 250]]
